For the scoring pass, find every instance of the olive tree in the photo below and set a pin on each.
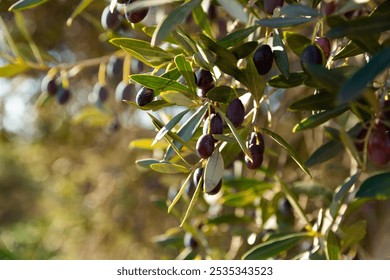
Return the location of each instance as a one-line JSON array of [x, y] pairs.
[[271, 118]]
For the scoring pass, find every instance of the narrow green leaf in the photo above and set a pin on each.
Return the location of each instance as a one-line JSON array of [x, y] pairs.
[[375, 187], [146, 163], [298, 10], [185, 70], [280, 54], [177, 98], [341, 194], [349, 143], [322, 100], [169, 168], [236, 37], [151, 56], [325, 152], [331, 80], [273, 247], [10, 70], [354, 87], [252, 80], [244, 49], [146, 144], [184, 41], [228, 219], [192, 202], [221, 94], [290, 150], [332, 246], [138, 5], [213, 171], [283, 22], [350, 50], [320, 118], [174, 18], [236, 134], [158, 83], [361, 26], [225, 61], [153, 106], [78, 10], [26, 4], [235, 9], [202, 20], [294, 80], [187, 130], [171, 124], [296, 42]]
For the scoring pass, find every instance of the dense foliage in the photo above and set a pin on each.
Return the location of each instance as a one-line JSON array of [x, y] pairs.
[[271, 117]]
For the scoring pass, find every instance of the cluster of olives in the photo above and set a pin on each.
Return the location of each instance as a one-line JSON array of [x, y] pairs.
[[115, 19], [54, 88]]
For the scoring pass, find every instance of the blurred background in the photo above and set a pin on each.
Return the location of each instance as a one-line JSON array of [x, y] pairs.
[[69, 185]]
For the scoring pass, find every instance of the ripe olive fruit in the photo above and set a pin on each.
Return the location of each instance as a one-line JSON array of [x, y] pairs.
[[63, 96], [329, 8], [110, 21], [204, 80], [379, 145], [256, 138], [49, 85], [100, 92], [324, 44], [216, 189], [311, 55], [257, 157], [144, 96], [213, 124], [270, 5], [115, 68], [263, 59], [236, 112], [197, 175], [136, 16], [189, 241], [205, 146], [123, 91]]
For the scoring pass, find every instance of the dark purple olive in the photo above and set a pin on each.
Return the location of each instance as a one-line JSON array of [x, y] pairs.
[[311, 55], [197, 175], [110, 21], [63, 96], [270, 5], [257, 153], [205, 146], [123, 91], [256, 138], [49, 85], [137, 15], [204, 81], [100, 92], [263, 59], [213, 125], [144, 96], [324, 44], [379, 145], [216, 189], [115, 68], [189, 241], [236, 112]]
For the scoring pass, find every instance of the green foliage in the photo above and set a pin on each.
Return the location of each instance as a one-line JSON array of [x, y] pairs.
[[347, 92]]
